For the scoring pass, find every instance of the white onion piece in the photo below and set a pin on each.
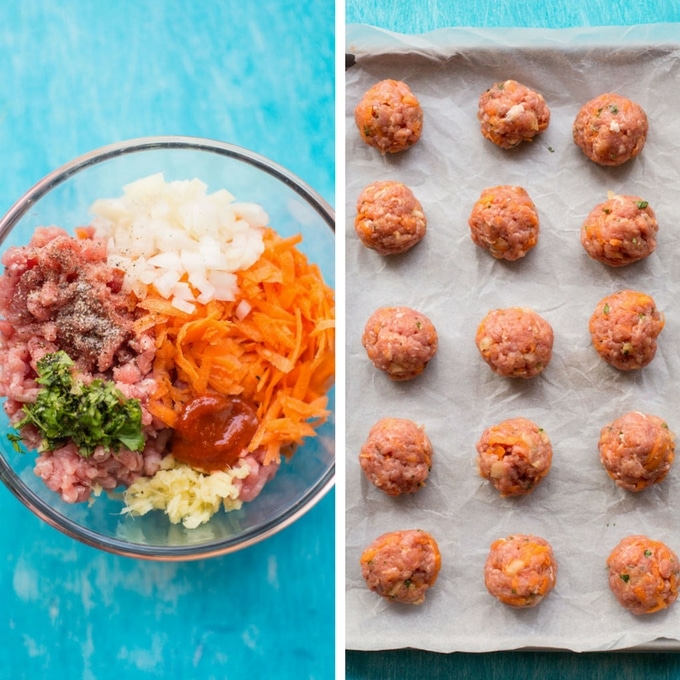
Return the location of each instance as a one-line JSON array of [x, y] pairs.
[[175, 236]]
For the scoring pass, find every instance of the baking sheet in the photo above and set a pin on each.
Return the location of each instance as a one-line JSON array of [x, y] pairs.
[[577, 508]]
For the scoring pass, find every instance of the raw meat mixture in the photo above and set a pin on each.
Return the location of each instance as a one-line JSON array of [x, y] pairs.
[[58, 293]]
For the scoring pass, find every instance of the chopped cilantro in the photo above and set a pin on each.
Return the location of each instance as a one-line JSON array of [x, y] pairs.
[[624, 577], [642, 204], [90, 414]]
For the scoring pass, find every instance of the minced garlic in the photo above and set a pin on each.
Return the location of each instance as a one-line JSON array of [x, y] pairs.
[[184, 494]]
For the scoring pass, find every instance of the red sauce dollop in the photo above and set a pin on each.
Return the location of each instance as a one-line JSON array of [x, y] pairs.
[[213, 430]]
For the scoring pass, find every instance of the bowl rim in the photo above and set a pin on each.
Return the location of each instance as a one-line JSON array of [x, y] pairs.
[[103, 153], [44, 510]]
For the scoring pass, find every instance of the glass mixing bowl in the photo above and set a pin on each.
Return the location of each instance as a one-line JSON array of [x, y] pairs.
[[63, 199]]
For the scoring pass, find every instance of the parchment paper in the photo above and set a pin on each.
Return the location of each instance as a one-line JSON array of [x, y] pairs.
[[577, 507]]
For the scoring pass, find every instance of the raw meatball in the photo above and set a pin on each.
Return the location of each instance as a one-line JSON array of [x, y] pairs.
[[390, 219], [610, 129], [520, 570], [389, 117], [516, 342], [402, 565], [514, 456], [620, 231], [396, 456], [643, 574], [637, 450], [400, 341], [510, 113], [504, 221], [624, 328]]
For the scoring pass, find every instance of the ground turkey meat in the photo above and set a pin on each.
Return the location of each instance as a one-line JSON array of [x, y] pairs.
[[637, 450], [515, 342], [610, 129], [58, 293], [644, 575], [390, 219], [520, 570], [389, 117], [402, 565], [624, 328], [61, 290], [620, 231], [510, 113], [397, 456], [260, 474], [74, 477], [504, 221], [514, 455], [400, 341]]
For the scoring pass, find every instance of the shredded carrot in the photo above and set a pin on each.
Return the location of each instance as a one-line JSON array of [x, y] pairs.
[[280, 355], [643, 574], [84, 232]]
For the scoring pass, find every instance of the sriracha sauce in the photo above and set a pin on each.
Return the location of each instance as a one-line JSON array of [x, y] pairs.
[[212, 431]]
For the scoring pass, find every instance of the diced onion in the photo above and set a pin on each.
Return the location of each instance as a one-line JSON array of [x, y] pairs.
[[170, 233]]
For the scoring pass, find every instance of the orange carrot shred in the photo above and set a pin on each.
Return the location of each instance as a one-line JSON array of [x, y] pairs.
[[280, 355]]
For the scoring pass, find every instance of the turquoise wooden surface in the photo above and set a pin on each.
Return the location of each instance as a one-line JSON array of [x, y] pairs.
[[421, 16], [79, 74]]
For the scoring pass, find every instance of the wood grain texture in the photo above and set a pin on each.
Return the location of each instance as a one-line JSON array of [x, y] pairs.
[[413, 665], [421, 16], [80, 74]]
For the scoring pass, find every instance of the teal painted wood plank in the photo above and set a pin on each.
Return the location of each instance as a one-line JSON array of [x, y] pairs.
[[80, 74], [414, 665], [421, 16]]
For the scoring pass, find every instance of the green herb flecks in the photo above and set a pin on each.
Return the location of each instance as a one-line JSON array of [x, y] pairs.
[[624, 577], [89, 414], [642, 204]]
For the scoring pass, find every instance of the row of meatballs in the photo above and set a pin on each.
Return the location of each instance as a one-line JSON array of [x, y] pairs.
[[504, 221], [636, 449], [516, 342], [610, 129], [521, 569]]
